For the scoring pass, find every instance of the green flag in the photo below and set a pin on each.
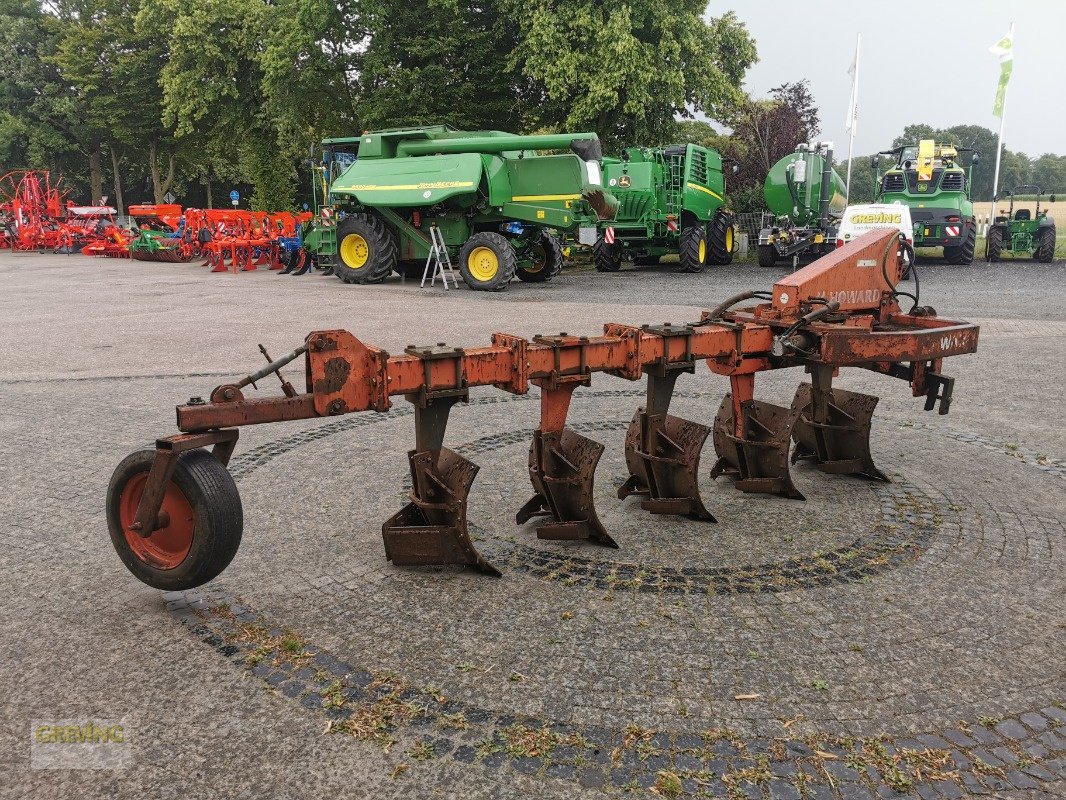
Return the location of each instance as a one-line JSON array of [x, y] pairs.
[[1004, 50]]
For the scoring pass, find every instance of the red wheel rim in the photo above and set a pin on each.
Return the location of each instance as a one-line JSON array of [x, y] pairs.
[[168, 546]]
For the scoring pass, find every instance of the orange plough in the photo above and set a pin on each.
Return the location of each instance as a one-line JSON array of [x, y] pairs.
[[841, 311]]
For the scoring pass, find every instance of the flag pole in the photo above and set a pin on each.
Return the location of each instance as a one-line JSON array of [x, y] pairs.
[[999, 144], [999, 151], [854, 115]]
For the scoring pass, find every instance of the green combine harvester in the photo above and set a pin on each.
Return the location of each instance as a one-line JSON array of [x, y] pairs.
[[805, 195], [671, 200], [496, 199], [928, 178], [1023, 233]]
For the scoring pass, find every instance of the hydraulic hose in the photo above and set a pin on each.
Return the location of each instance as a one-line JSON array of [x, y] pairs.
[[895, 242], [716, 312]]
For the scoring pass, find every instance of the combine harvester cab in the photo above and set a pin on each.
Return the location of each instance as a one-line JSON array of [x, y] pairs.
[[927, 177], [806, 196], [495, 198], [671, 200], [1023, 233]]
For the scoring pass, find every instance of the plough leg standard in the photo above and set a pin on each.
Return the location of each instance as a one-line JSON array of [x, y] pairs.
[[175, 516]]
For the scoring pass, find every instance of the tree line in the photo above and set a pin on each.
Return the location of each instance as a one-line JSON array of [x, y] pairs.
[[134, 98], [1047, 171]]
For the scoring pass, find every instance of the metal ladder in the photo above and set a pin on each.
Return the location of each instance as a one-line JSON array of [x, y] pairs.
[[441, 261], [674, 190]]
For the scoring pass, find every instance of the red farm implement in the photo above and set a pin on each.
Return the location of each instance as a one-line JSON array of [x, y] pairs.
[[32, 211], [242, 241], [175, 516]]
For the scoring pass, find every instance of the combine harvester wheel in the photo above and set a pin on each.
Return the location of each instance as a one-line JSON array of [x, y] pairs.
[[693, 249], [487, 262], [367, 250]]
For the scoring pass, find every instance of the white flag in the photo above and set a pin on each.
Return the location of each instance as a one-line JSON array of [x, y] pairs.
[[1004, 51], [853, 106]]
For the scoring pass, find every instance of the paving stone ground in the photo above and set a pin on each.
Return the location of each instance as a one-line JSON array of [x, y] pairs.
[[890, 640]]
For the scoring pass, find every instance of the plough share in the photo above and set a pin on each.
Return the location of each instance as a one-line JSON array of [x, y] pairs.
[[175, 516]]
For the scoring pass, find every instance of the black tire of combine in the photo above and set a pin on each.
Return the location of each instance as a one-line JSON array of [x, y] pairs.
[[693, 245], [767, 255], [606, 257], [1045, 251], [217, 518], [506, 262], [557, 269], [962, 255], [993, 244], [382, 254], [721, 238], [551, 251]]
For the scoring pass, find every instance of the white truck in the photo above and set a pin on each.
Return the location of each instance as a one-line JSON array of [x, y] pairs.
[[860, 218]]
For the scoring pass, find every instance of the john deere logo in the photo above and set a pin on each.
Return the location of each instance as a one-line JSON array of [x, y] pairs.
[[923, 187], [625, 181]]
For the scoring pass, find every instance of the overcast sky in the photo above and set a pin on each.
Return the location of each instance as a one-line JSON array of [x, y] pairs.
[[921, 62]]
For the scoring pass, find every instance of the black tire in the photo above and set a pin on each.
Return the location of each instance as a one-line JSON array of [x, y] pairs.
[[476, 274], [721, 237], [548, 260], [218, 518], [378, 259], [1045, 250], [962, 255], [693, 249], [606, 257], [993, 244], [767, 255]]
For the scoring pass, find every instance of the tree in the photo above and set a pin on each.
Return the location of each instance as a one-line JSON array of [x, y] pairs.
[[47, 121], [1015, 168], [627, 70], [1049, 172], [440, 61], [764, 131]]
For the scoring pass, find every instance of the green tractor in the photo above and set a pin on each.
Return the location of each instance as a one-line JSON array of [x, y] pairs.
[[497, 201], [1026, 233], [671, 200], [928, 178]]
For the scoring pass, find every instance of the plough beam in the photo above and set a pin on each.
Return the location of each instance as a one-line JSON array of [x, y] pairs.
[[841, 311]]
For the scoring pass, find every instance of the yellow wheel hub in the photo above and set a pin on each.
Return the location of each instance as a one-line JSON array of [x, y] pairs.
[[703, 250], [483, 263], [355, 252], [540, 259], [729, 239]]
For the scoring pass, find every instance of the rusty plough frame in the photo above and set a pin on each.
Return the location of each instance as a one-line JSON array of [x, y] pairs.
[[841, 311]]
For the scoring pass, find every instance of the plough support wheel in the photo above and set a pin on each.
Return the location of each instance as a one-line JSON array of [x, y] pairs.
[[758, 459], [562, 467], [840, 444], [432, 529], [198, 526]]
